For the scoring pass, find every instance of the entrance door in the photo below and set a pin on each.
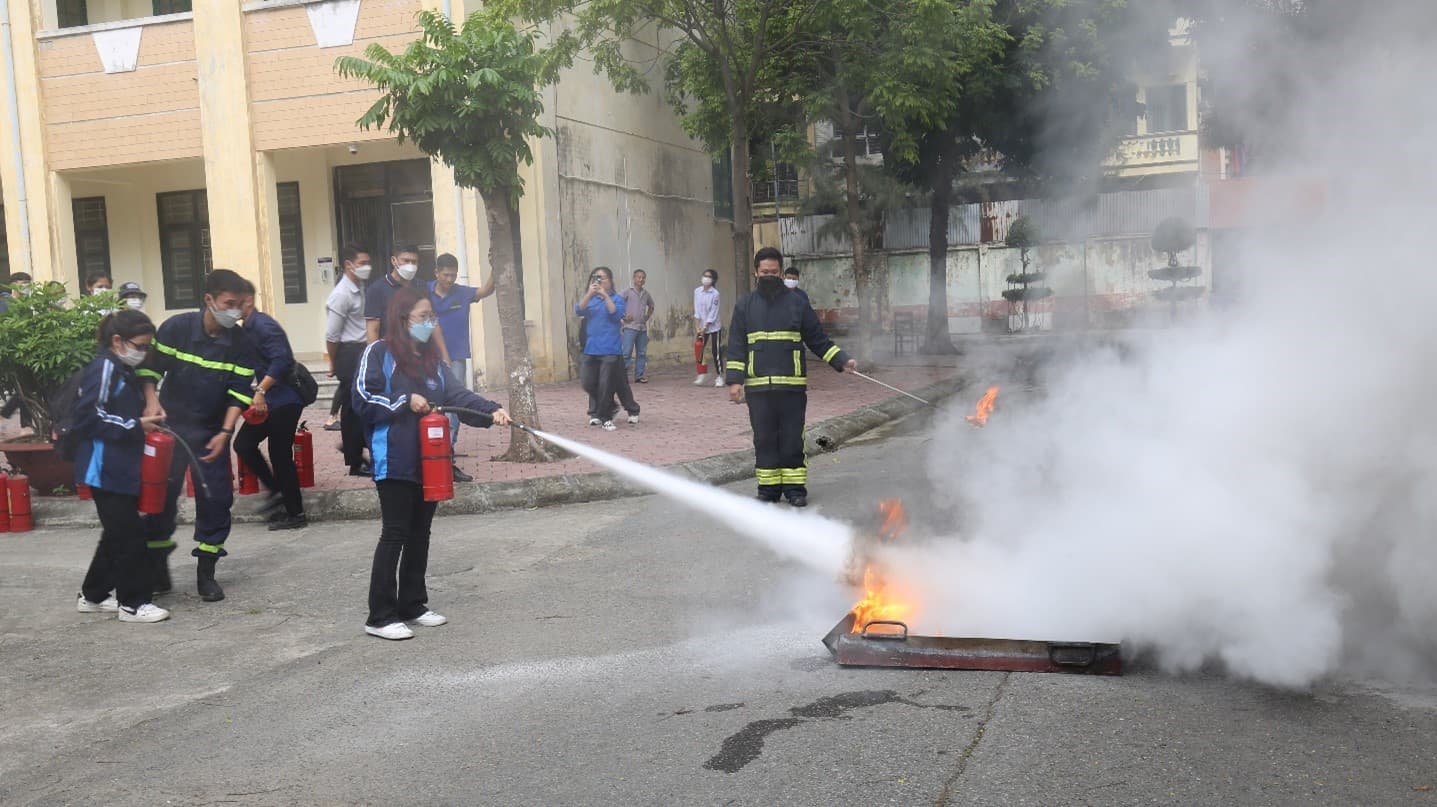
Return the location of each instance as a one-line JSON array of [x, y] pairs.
[[383, 204]]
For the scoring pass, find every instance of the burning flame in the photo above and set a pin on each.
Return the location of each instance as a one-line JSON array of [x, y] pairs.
[[879, 602], [979, 417]]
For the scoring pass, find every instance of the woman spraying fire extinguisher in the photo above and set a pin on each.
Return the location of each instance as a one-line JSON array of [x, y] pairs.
[[398, 381], [109, 435]]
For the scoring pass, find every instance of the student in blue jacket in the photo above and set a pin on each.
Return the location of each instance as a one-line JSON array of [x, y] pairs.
[[110, 428], [270, 356], [398, 381]]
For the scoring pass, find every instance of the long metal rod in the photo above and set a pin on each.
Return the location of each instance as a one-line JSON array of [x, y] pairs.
[[890, 386]]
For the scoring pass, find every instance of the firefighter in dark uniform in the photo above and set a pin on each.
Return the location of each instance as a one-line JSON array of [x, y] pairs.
[[200, 357], [766, 364]]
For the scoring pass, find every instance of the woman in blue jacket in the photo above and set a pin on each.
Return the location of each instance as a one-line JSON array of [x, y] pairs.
[[398, 381], [110, 434]]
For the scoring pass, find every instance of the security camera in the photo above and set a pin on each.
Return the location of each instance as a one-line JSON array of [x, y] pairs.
[[353, 148]]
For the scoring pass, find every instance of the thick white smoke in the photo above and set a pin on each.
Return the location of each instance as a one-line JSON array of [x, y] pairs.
[[1257, 487]]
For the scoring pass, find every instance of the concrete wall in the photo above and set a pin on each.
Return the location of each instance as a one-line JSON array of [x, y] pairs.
[[635, 192], [1097, 283]]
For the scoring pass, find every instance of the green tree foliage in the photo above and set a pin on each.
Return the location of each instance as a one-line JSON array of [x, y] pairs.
[[470, 96], [43, 340], [720, 64], [1047, 98]]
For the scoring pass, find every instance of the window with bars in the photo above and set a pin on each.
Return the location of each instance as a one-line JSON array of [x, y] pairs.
[[159, 7], [71, 13], [184, 246], [92, 236], [291, 244], [1166, 108]]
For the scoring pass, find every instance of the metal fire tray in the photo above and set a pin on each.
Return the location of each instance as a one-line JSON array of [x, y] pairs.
[[887, 643]]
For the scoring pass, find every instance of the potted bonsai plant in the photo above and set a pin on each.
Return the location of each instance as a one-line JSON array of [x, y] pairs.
[[44, 339]]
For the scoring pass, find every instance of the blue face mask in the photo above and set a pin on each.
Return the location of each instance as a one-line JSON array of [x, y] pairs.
[[421, 331]]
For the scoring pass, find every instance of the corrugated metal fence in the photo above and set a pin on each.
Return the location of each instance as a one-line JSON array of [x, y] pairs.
[[1126, 213]]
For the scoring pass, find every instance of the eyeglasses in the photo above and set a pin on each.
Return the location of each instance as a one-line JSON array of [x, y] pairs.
[[145, 348], [431, 319]]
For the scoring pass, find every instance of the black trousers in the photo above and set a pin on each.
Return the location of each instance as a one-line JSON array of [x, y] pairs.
[[403, 549], [351, 429], [278, 429], [212, 512], [779, 463], [711, 346], [119, 563], [604, 377]]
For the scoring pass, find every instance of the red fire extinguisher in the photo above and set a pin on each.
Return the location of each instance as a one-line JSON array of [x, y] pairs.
[[699, 355], [254, 417], [304, 456], [19, 487], [436, 463], [155, 472], [83, 491], [189, 483], [248, 482], [4, 502]]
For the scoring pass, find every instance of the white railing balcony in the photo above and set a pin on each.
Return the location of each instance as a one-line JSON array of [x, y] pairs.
[[1163, 150]]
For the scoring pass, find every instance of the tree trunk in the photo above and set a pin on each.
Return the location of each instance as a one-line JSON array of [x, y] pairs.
[[861, 278], [937, 338], [523, 405], [742, 204]]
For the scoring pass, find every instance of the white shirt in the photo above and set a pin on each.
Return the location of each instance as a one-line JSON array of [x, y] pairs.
[[706, 308], [344, 313]]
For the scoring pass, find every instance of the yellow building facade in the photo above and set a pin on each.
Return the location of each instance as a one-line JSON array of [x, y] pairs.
[[158, 139]]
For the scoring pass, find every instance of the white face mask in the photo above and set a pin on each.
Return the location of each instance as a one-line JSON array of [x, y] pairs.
[[362, 272], [135, 303], [706, 280], [227, 317], [791, 282], [132, 357], [407, 270]]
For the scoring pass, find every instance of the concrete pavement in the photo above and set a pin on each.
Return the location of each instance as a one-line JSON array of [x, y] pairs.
[[622, 652]]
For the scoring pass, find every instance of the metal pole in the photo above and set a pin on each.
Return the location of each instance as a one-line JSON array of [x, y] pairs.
[[890, 386]]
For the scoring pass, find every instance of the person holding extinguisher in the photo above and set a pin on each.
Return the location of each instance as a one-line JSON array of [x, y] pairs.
[[273, 416], [109, 430], [708, 327], [399, 380]]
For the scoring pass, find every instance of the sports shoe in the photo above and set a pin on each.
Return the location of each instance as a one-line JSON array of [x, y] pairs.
[[701, 380], [394, 631], [718, 382], [609, 426], [288, 522], [429, 619], [149, 612], [109, 606], [633, 420], [595, 421], [643, 379], [460, 476]]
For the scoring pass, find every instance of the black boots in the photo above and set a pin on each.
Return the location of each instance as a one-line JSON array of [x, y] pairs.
[[209, 590], [160, 571]]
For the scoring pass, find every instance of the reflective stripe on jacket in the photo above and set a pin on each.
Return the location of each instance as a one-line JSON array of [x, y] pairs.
[[766, 341]]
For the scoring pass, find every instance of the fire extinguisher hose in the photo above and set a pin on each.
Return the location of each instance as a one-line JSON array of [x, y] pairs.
[[198, 473], [447, 409]]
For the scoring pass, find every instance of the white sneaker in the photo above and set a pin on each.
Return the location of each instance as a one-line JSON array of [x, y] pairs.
[[109, 606], [429, 619], [633, 420], [393, 631], [609, 426], [149, 612], [718, 381], [701, 380], [594, 421]]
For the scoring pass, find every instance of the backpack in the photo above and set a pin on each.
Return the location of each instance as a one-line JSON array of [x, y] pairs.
[[303, 382], [62, 409]]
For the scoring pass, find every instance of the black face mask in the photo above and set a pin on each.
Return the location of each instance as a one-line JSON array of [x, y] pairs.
[[770, 285]]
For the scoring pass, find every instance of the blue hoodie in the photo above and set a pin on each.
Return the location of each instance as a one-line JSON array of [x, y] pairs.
[[391, 428], [106, 418], [601, 329]]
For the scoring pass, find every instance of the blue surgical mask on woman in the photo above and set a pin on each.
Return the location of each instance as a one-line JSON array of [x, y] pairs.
[[421, 331]]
